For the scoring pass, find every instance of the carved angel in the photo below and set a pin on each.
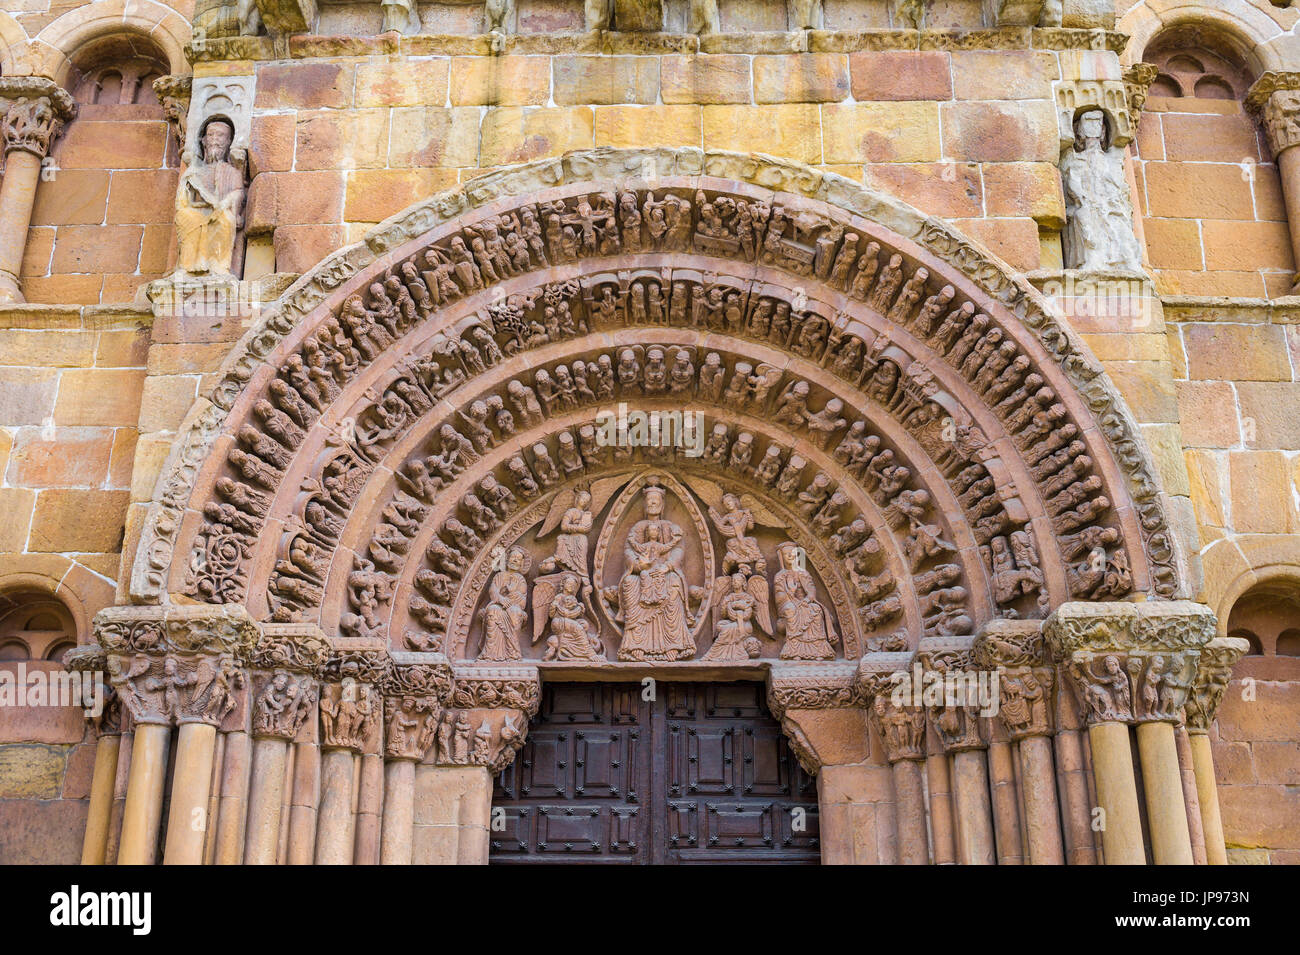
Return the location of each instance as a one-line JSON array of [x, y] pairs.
[[737, 601], [562, 605]]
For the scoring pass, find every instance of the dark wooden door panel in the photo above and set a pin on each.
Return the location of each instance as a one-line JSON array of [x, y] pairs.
[[701, 774]]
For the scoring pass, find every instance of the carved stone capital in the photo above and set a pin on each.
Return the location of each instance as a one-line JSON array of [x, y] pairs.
[[1275, 100], [32, 113], [282, 703], [351, 712], [90, 658], [287, 17], [1137, 81], [178, 664], [173, 93], [1213, 673], [1157, 626], [884, 679], [418, 685], [950, 690], [486, 720], [1130, 662], [1016, 650]]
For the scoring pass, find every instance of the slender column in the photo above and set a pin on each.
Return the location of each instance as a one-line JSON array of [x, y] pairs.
[[32, 112], [938, 772], [232, 802], [1015, 650], [1187, 776], [120, 783], [1275, 101], [350, 714], [187, 823], [336, 825], [142, 814], [301, 837], [1006, 807], [399, 812], [370, 798], [266, 800], [1073, 776], [1213, 673], [1171, 843], [95, 845], [1112, 767]]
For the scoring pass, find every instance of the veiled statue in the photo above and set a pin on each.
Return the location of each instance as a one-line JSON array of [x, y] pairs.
[[653, 592], [504, 615], [809, 632], [1098, 212], [210, 204]]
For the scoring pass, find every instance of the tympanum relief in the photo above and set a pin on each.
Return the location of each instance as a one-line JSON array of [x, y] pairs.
[[900, 440]]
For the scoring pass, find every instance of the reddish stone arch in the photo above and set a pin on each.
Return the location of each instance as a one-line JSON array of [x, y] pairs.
[[945, 392]]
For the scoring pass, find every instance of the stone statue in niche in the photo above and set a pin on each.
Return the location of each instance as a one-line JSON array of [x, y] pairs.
[[1098, 213], [210, 204], [809, 631], [504, 615], [653, 592]]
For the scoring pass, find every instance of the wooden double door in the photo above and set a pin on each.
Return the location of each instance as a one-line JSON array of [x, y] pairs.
[[699, 773]]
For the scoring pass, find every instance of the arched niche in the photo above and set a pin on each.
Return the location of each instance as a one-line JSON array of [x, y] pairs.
[[1019, 480]]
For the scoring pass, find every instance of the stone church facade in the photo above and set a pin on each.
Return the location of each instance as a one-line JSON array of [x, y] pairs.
[[650, 431]]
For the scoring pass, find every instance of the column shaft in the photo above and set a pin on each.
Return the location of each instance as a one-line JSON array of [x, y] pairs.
[[1006, 809], [909, 809], [142, 814], [370, 802], [975, 842], [1191, 798], [1171, 842], [1042, 815], [336, 829], [1112, 766], [306, 795], [399, 811], [1075, 803], [17, 196], [265, 801], [939, 775], [95, 844], [188, 822], [120, 786], [1207, 791]]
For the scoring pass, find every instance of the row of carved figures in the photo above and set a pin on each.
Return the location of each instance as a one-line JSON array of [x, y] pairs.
[[313, 378]]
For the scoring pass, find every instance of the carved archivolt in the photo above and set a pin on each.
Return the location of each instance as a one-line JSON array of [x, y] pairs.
[[893, 438]]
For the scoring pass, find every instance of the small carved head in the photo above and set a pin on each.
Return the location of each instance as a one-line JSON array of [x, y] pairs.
[[218, 134], [1091, 126]]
